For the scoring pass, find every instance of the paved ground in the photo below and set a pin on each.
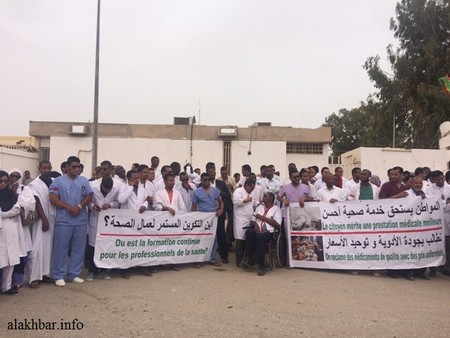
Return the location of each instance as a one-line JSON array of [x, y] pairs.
[[227, 301]]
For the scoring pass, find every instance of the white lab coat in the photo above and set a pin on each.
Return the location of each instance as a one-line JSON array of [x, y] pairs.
[[9, 237], [243, 212], [161, 199], [98, 199]]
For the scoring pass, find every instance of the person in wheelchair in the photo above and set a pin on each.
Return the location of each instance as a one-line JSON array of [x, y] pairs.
[[266, 219]]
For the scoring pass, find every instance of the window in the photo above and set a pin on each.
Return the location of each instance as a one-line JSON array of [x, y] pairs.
[[304, 148], [227, 154], [44, 153]]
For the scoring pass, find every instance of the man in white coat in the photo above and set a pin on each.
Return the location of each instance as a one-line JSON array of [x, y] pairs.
[[169, 199], [186, 190], [133, 196], [331, 193], [244, 205], [39, 259], [440, 188], [104, 196]]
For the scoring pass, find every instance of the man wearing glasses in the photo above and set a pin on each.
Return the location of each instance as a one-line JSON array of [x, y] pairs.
[[70, 194]]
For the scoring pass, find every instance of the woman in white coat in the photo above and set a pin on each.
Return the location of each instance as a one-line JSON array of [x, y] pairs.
[[9, 233], [27, 203]]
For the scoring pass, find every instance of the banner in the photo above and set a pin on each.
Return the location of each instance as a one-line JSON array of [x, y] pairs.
[[126, 238], [363, 235]]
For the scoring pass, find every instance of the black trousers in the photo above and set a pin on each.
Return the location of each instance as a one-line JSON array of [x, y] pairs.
[[255, 242], [89, 259], [228, 209], [240, 251], [222, 237]]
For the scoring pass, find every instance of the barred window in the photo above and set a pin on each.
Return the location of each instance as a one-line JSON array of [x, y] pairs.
[[227, 154], [44, 153], [304, 148]]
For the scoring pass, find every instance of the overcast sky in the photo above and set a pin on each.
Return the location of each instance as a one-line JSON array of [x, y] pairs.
[[291, 63]]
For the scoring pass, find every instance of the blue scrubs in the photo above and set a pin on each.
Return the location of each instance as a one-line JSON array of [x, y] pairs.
[[70, 232], [208, 203]]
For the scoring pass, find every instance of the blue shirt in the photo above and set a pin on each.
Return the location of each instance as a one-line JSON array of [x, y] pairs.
[[206, 202], [71, 192]]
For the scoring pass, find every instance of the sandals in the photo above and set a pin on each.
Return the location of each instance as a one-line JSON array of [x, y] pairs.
[[35, 284], [215, 264]]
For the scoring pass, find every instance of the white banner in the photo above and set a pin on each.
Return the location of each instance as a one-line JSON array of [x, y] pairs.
[[126, 238], [363, 235]]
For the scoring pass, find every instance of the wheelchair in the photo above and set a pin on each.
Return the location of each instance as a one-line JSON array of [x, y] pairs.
[[275, 252], [278, 249]]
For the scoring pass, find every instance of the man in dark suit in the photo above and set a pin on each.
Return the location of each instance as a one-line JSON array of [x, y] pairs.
[[228, 203], [226, 198]]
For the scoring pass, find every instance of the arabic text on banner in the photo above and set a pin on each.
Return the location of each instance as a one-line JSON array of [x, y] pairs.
[[360, 235], [126, 238]]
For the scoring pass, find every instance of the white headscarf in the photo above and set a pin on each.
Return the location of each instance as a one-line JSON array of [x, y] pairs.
[[16, 170], [26, 196]]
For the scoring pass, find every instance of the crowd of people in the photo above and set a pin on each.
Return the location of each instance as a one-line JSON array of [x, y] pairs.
[[48, 224]]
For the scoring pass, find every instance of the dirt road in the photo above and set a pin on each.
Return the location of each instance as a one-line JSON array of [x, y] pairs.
[[228, 301]]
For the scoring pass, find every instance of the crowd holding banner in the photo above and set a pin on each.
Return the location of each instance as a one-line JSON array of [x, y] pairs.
[[147, 217]]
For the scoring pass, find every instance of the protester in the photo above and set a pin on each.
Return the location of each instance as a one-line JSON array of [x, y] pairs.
[[42, 230], [244, 206], [207, 199], [70, 194], [9, 234], [266, 219]]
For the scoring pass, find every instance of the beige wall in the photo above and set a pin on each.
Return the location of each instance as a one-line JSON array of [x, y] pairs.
[[11, 158], [128, 143], [261, 153], [125, 151], [307, 160], [14, 140]]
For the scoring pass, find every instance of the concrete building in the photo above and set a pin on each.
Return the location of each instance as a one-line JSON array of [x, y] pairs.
[[184, 142]]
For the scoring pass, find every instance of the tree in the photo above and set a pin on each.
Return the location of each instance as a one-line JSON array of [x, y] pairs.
[[353, 128], [411, 96]]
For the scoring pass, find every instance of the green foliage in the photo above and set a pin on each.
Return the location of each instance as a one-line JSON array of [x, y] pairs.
[[412, 95], [353, 128]]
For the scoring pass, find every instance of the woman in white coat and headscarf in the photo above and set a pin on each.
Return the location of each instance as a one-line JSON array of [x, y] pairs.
[[28, 204], [9, 233]]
